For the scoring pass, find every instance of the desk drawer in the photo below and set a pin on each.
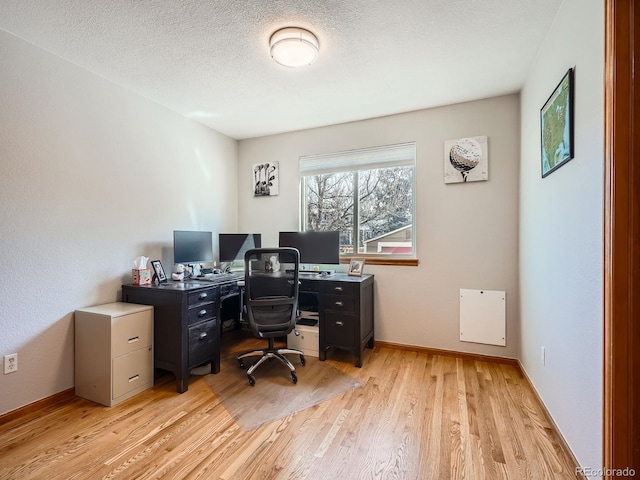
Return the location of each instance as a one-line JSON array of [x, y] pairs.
[[310, 285], [228, 289], [338, 330], [339, 288], [202, 342], [201, 312], [339, 303], [202, 296]]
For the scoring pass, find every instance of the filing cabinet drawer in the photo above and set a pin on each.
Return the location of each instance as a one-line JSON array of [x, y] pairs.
[[202, 339], [202, 312], [339, 288], [338, 330], [202, 296], [339, 303], [131, 332], [132, 371]]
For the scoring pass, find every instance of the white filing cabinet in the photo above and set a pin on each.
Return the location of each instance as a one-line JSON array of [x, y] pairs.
[[307, 341], [113, 351]]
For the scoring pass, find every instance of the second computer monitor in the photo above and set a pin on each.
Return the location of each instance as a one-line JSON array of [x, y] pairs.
[[232, 246], [314, 246], [192, 247]]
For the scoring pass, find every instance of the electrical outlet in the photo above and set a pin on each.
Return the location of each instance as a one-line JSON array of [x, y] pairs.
[[543, 355], [11, 363]]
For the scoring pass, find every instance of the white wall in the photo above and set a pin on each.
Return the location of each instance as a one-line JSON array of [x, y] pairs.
[[466, 233], [92, 176], [561, 235]]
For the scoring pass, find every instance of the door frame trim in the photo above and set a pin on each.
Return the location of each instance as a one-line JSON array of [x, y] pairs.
[[621, 402]]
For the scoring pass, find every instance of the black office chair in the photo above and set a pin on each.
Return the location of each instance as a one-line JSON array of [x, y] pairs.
[[271, 299]]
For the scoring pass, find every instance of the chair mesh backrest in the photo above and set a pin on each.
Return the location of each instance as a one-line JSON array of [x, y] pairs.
[[271, 290]]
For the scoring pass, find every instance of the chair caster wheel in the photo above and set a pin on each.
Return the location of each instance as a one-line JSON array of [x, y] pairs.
[[302, 360], [294, 377], [242, 365], [252, 381]]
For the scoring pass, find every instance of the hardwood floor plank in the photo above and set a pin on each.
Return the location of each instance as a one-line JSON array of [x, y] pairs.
[[484, 425], [509, 423], [416, 416], [432, 433]]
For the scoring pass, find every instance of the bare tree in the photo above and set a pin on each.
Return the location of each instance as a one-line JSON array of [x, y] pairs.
[[330, 201], [385, 202]]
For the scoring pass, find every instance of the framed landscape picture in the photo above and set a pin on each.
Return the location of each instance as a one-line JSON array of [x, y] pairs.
[[556, 126]]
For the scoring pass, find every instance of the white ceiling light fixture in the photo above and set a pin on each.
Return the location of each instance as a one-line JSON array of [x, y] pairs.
[[294, 47]]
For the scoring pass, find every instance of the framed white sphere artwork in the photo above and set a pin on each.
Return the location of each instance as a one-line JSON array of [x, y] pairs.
[[466, 160]]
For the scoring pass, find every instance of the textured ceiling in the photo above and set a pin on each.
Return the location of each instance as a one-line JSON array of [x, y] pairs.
[[209, 60]]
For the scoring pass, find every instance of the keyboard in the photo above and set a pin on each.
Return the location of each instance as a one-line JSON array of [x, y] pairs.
[[219, 278]]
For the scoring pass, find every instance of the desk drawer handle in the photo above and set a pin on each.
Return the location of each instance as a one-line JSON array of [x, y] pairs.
[[203, 296], [338, 289], [339, 324], [133, 339], [202, 313], [339, 304], [134, 378], [203, 335]]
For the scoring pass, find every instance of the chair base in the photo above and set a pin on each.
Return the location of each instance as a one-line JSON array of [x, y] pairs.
[[265, 355]]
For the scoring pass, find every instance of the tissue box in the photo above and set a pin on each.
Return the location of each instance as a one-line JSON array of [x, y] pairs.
[[141, 277]]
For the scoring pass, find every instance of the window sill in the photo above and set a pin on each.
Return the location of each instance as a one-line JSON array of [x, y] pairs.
[[371, 260]]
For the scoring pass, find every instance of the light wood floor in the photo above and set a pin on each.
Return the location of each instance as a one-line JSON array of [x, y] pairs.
[[417, 416]]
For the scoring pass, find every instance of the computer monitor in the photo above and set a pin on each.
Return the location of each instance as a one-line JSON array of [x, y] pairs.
[[232, 246], [192, 247], [314, 246]]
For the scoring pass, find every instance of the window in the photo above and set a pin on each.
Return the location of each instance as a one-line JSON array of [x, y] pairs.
[[367, 195]]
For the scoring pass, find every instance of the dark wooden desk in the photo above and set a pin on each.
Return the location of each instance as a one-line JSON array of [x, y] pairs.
[[187, 318], [345, 311], [186, 323]]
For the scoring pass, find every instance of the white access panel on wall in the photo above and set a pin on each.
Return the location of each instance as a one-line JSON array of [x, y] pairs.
[[483, 317]]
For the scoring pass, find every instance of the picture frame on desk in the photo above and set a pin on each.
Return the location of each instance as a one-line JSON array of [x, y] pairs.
[[356, 267], [158, 271]]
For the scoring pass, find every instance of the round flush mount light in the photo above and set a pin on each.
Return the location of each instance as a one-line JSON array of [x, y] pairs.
[[294, 47]]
